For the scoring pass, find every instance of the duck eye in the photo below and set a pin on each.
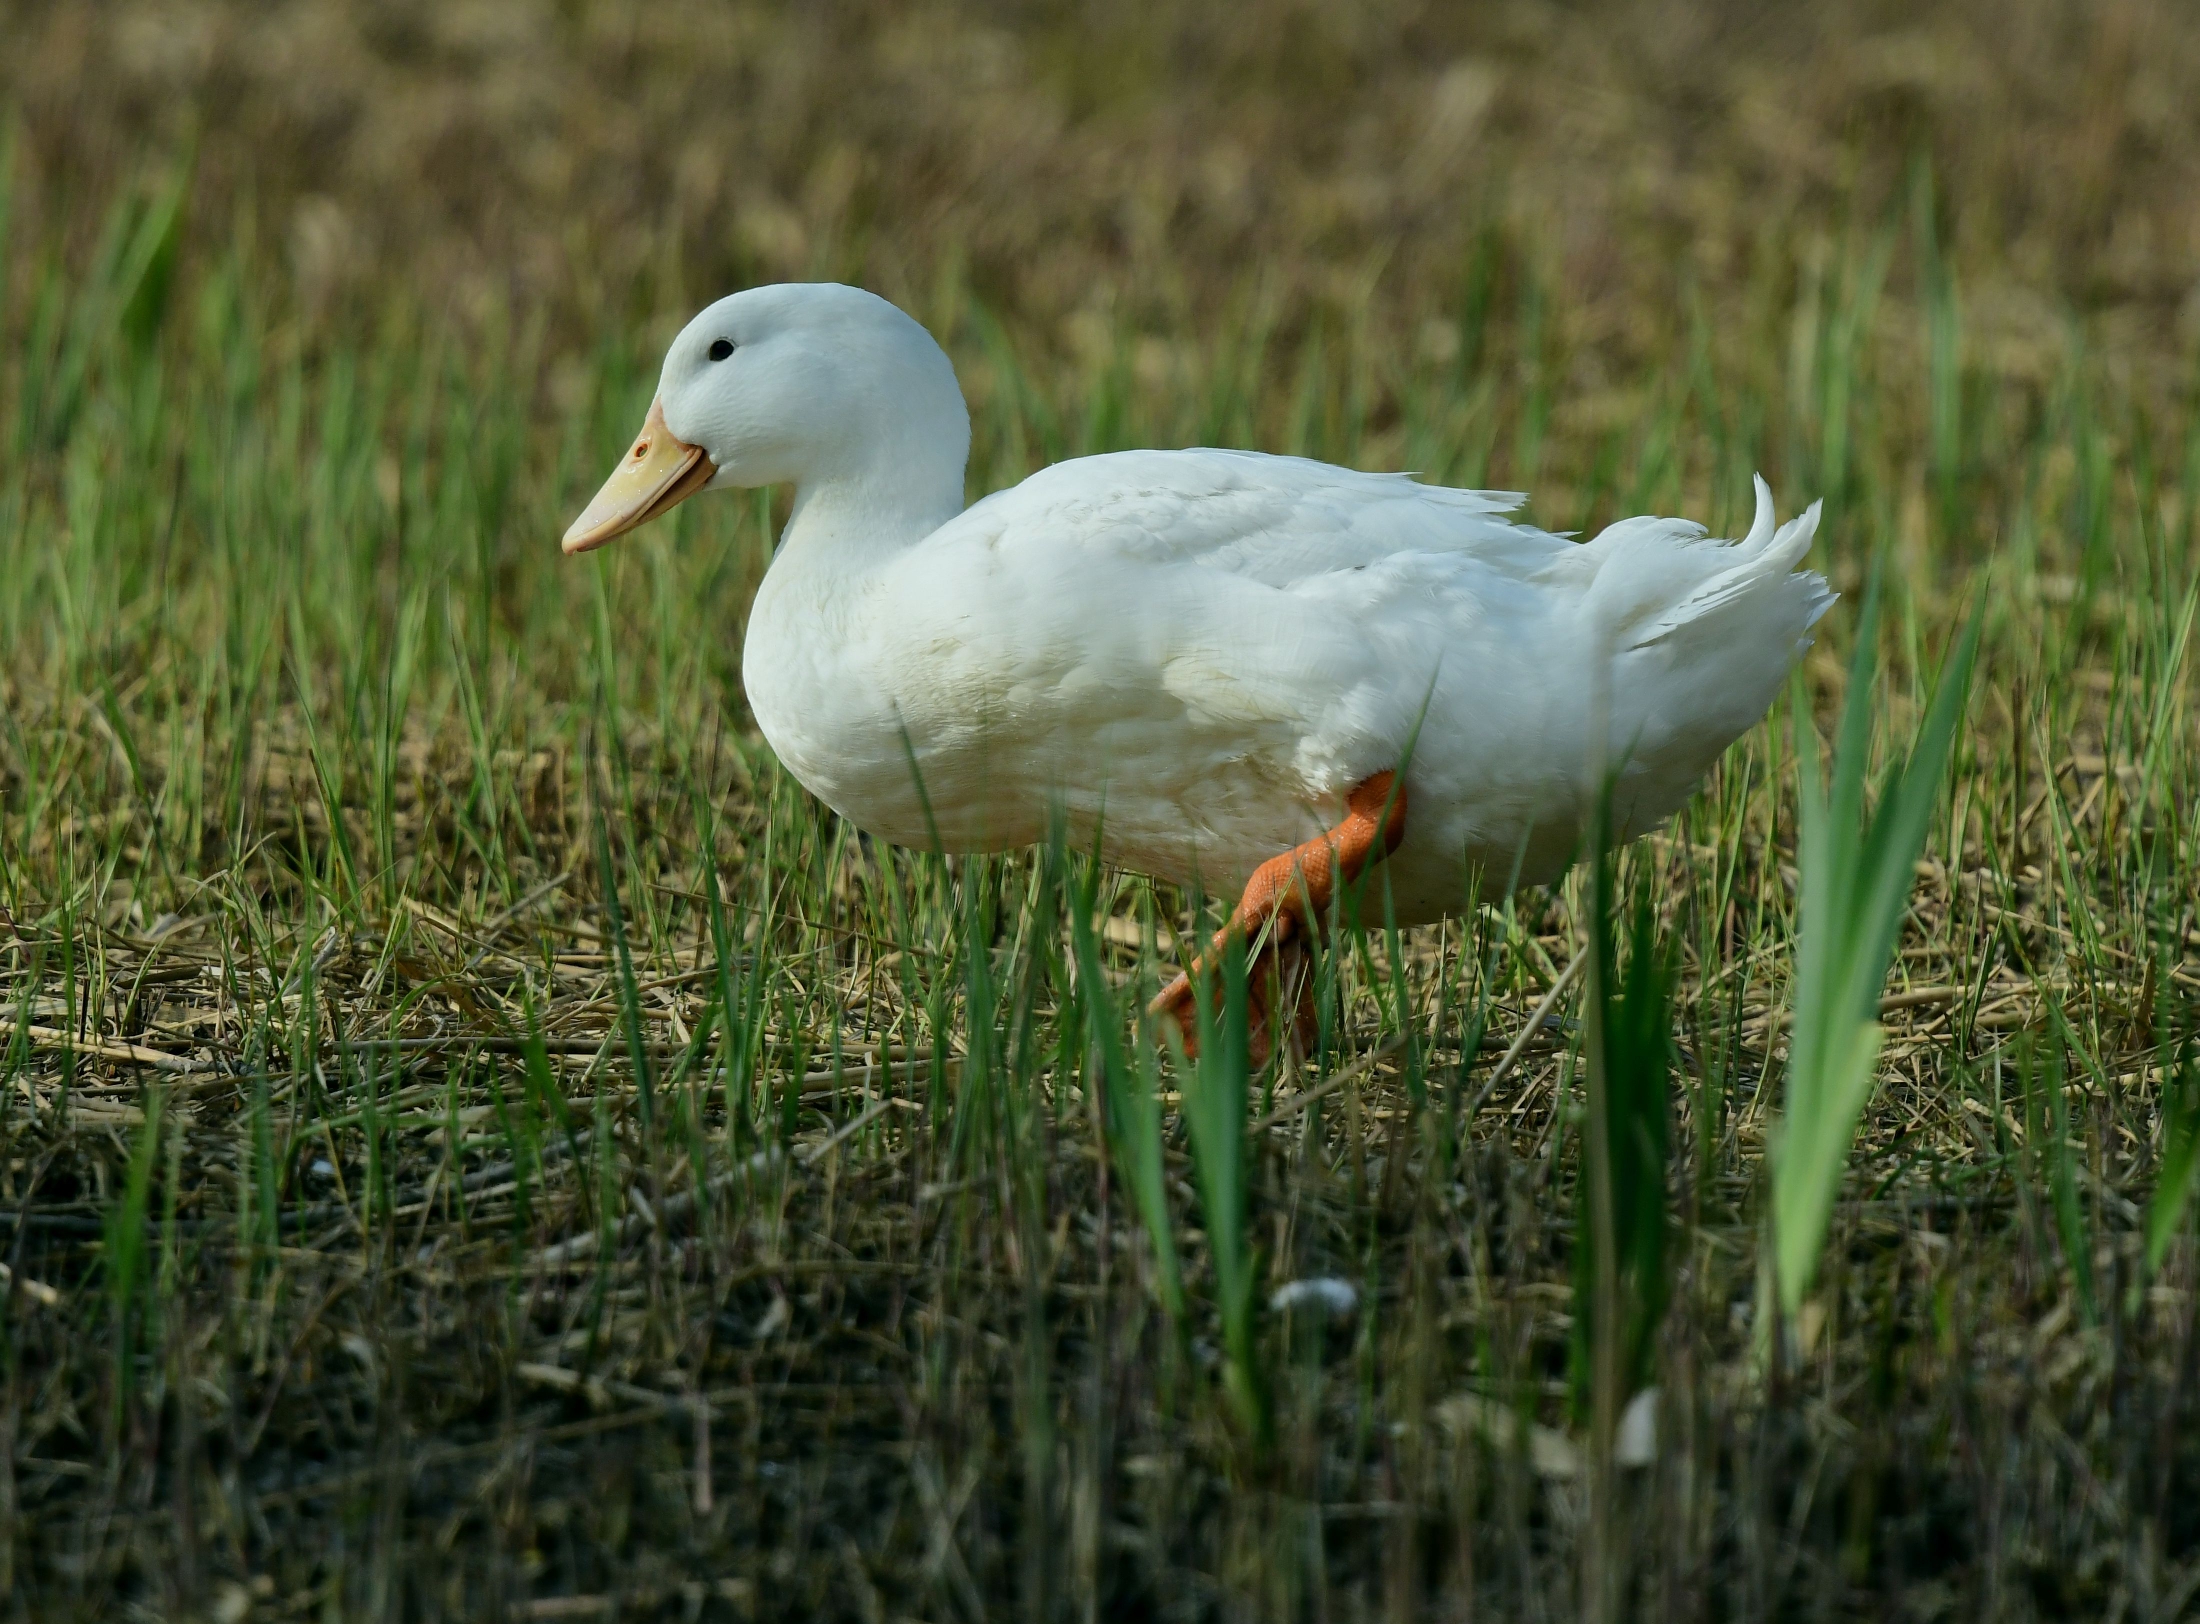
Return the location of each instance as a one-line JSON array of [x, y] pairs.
[[721, 348]]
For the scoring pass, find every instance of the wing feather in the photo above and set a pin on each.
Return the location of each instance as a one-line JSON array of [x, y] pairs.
[[1276, 520]]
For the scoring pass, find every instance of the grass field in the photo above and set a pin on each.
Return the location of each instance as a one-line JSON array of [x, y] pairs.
[[480, 1142]]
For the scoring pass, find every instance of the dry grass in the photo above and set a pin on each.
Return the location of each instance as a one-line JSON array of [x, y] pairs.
[[417, 1206]]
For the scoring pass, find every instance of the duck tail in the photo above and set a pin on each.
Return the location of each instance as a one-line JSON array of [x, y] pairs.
[[1755, 577], [1701, 634]]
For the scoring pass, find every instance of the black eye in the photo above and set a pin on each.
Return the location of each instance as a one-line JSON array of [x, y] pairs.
[[720, 348]]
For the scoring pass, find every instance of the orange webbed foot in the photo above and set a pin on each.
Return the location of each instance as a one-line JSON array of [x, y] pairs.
[[1285, 896]]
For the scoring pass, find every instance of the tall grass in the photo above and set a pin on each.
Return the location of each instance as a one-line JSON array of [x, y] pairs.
[[1858, 871], [1622, 1276], [1130, 1106], [1215, 1091], [1623, 1207]]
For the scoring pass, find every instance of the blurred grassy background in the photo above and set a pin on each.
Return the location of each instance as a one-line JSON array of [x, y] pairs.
[[318, 322], [1083, 168]]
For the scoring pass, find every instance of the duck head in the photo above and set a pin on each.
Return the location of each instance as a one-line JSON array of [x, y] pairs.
[[809, 383]]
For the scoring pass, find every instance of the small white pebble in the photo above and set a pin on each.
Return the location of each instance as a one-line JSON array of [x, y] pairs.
[[1636, 1443], [774, 1321], [1333, 1296]]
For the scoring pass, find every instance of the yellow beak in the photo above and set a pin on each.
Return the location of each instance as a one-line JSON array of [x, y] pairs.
[[657, 474]]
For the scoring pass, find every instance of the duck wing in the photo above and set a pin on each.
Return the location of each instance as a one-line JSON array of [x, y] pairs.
[[1216, 645], [1274, 520]]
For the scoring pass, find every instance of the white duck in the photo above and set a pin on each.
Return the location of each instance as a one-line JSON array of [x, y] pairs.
[[1215, 658]]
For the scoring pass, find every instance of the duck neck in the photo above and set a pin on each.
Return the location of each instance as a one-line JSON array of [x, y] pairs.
[[892, 475], [810, 659], [854, 522]]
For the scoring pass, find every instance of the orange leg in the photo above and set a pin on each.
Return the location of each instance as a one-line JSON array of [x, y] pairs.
[[1287, 894]]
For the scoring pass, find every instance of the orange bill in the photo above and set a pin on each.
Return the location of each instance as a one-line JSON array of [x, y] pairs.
[[657, 474]]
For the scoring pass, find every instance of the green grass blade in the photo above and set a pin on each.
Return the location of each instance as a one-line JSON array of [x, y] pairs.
[[1857, 874], [1131, 1108], [2173, 1178]]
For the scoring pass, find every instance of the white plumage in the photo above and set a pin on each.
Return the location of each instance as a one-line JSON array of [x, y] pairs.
[[1199, 653]]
